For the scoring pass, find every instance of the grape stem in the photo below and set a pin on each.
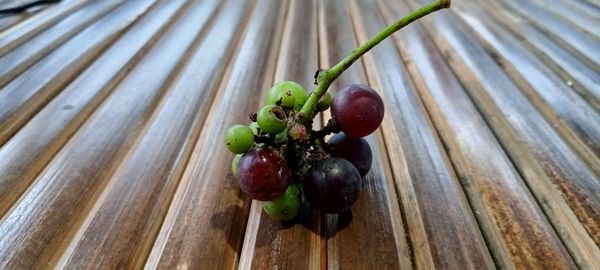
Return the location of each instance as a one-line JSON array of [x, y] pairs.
[[326, 77]]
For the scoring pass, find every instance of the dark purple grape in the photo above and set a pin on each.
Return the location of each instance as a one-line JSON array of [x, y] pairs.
[[358, 110], [355, 150], [332, 185], [263, 174]]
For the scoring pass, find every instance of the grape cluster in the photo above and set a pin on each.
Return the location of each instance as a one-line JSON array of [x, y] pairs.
[[282, 162]]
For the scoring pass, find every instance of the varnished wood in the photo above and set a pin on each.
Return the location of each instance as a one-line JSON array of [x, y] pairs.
[[24, 95], [17, 35], [75, 176], [570, 114], [562, 32], [561, 182], [425, 174], [206, 222], [112, 115], [171, 131], [20, 58], [516, 230], [36, 143], [583, 78]]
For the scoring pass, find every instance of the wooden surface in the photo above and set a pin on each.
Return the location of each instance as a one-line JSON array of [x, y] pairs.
[[112, 115]]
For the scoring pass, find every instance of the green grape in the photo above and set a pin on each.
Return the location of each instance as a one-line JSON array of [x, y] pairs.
[[254, 127], [239, 139], [285, 99], [324, 102], [271, 119], [285, 207], [234, 164], [298, 93]]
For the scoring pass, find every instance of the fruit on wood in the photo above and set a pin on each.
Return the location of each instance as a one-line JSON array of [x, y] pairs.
[[279, 91], [332, 185], [263, 174], [239, 139], [285, 163], [285, 207], [271, 119], [355, 150], [358, 109]]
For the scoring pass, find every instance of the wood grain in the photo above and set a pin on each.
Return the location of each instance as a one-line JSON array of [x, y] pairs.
[[517, 232], [206, 222], [78, 173], [451, 238], [561, 32], [583, 78], [24, 95], [170, 132], [28, 151], [112, 115], [563, 185], [20, 33], [574, 118], [574, 16], [19, 59]]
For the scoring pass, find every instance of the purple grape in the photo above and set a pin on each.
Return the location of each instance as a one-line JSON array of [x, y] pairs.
[[355, 150], [332, 185], [358, 109], [263, 174]]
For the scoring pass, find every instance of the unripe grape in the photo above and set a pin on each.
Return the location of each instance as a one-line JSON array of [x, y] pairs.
[[296, 89], [239, 139], [254, 127], [234, 164], [271, 119], [285, 207], [285, 99]]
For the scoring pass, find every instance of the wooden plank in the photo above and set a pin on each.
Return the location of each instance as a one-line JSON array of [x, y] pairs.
[[48, 215], [28, 151], [137, 196], [517, 232], [8, 21], [574, 16], [561, 32], [574, 118], [375, 221], [206, 221], [270, 243], [581, 6], [26, 94], [581, 77], [19, 59], [586, 5], [16, 35], [563, 185], [441, 227]]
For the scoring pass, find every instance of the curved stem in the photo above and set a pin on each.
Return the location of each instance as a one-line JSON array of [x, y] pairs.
[[327, 76]]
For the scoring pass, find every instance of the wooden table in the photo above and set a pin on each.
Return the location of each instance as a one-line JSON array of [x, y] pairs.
[[112, 115]]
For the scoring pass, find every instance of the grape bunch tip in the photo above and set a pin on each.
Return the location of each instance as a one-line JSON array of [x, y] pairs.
[[281, 161]]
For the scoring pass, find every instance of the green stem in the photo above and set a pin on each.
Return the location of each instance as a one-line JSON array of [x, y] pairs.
[[327, 76]]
